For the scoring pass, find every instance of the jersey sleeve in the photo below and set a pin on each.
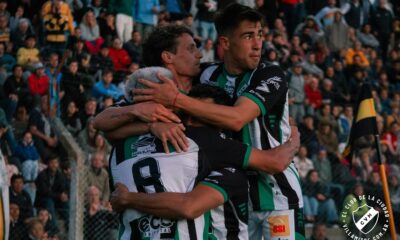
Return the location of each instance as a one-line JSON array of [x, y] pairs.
[[268, 85], [230, 182]]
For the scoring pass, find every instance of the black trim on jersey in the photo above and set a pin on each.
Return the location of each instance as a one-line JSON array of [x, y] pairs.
[[119, 151], [231, 221], [192, 229], [220, 153], [216, 73], [252, 177], [287, 190]]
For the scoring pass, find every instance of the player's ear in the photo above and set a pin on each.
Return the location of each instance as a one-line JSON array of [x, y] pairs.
[[167, 57], [224, 42]]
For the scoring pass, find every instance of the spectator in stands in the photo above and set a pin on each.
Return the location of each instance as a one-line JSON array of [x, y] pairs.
[[63, 9], [313, 96], [134, 47], [89, 110], [345, 122], [17, 226], [71, 119], [303, 163], [15, 91], [319, 232], [394, 189], [208, 51], [43, 133], [4, 29], [308, 135], [356, 51], [91, 32], [18, 14], [366, 37], [38, 81], [87, 137], [56, 26], [382, 19], [310, 67], [20, 123], [21, 197], [336, 34], [205, 15], [105, 87], [108, 30], [317, 201], [36, 230], [101, 61], [6, 60], [98, 176], [99, 219], [23, 30], [45, 218], [51, 193], [28, 56], [296, 92], [146, 17], [74, 86], [326, 14], [119, 56], [327, 137], [124, 21], [373, 186], [7, 135], [29, 157]]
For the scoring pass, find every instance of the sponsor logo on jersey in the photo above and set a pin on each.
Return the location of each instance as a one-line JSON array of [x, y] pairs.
[[144, 145], [279, 226], [264, 85], [155, 227]]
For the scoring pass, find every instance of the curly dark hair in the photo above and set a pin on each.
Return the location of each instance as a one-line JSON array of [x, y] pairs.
[[162, 39]]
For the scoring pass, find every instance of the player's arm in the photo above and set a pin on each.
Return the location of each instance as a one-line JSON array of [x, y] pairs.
[[114, 117], [233, 118], [167, 204], [275, 160]]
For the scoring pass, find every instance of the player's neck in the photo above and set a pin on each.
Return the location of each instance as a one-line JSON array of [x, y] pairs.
[[232, 67], [183, 83]]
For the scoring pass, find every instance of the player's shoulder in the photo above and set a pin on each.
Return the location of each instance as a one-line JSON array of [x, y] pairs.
[[268, 73], [209, 72]]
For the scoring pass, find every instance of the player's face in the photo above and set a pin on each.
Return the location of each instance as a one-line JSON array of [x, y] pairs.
[[186, 60], [244, 45]]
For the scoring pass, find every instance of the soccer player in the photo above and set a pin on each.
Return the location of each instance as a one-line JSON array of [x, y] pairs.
[[143, 160], [260, 113]]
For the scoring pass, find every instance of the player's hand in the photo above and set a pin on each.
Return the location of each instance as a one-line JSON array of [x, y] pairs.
[[154, 112], [118, 198], [170, 132], [294, 139], [164, 93]]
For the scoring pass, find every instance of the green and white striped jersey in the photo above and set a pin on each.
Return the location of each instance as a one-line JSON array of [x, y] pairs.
[[267, 87], [140, 163]]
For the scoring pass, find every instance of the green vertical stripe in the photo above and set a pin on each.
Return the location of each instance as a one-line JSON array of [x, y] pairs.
[[176, 237], [243, 83], [246, 135], [207, 217], [221, 80], [266, 195]]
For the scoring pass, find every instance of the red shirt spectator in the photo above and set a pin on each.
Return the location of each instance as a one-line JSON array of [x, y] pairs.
[[313, 94], [119, 56], [38, 82]]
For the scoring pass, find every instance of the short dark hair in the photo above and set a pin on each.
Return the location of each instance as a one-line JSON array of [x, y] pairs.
[[162, 39], [16, 176], [231, 16], [219, 96]]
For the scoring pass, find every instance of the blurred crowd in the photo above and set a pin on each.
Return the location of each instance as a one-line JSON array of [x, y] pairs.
[[71, 59]]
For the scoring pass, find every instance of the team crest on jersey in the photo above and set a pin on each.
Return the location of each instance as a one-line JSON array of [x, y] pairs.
[[144, 145], [274, 81]]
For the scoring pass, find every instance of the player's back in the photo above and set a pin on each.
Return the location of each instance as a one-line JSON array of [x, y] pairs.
[[140, 163]]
